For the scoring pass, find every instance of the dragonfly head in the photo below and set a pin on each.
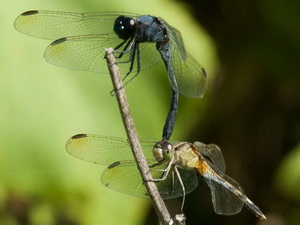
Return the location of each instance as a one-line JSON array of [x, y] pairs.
[[163, 150], [125, 27]]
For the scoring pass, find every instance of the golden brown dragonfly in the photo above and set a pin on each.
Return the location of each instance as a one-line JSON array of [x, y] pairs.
[[174, 167]]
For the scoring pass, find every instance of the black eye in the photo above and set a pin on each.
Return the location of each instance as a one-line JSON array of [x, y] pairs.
[[125, 27]]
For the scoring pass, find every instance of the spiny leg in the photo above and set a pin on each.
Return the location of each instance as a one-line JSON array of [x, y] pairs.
[[126, 49], [137, 50], [130, 47], [182, 185], [165, 172]]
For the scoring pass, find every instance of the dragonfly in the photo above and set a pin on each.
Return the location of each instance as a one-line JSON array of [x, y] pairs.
[[139, 41], [175, 167]]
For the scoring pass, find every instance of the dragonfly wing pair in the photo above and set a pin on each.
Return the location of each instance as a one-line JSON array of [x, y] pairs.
[[124, 177], [122, 174], [228, 196], [81, 38]]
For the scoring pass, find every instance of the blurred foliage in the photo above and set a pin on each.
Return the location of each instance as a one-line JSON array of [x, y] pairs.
[[289, 165], [253, 106], [251, 110], [43, 105]]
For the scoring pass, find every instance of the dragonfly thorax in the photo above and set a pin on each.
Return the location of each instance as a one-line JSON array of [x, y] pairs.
[[125, 27], [185, 156], [163, 150], [150, 29]]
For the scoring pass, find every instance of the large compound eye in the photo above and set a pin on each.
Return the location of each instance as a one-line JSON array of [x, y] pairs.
[[158, 153], [167, 148], [163, 150], [125, 27]]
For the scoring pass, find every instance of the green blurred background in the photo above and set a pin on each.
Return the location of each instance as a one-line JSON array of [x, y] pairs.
[[251, 52]]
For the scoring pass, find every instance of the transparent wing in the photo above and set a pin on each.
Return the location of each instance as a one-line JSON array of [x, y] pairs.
[[171, 187], [190, 75], [81, 39], [86, 53], [148, 56], [53, 25], [227, 195], [124, 177], [104, 150], [81, 52], [214, 154]]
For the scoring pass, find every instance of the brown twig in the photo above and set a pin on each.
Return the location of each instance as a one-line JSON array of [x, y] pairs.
[[157, 201]]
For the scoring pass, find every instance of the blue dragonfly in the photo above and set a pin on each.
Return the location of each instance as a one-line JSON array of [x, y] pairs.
[[140, 41]]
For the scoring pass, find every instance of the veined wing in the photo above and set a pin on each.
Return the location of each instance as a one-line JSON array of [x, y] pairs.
[[124, 177], [214, 155], [86, 53], [171, 187], [81, 39], [190, 75], [104, 150], [227, 195], [53, 25]]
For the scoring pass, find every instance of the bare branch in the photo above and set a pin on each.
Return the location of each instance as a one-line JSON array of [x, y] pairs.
[[157, 201]]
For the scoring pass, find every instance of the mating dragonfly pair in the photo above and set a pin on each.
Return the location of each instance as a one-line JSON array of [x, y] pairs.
[[140, 42]]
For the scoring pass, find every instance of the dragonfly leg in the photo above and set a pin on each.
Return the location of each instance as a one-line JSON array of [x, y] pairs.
[[126, 49], [133, 48], [137, 50], [172, 185], [164, 174], [130, 47], [182, 186]]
